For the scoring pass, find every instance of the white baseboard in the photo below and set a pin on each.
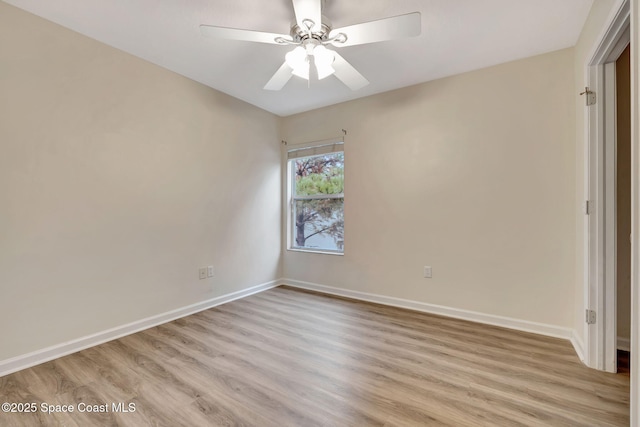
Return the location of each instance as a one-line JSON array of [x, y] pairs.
[[473, 316], [624, 344], [24, 361], [578, 345]]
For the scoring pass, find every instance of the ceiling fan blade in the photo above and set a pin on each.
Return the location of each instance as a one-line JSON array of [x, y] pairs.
[[396, 27], [308, 9], [280, 78], [347, 74], [243, 35]]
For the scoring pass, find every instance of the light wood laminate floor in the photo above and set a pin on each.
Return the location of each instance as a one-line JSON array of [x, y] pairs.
[[287, 357]]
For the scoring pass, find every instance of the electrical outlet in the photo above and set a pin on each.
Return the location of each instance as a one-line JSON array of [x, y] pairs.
[[210, 271], [427, 272], [202, 272]]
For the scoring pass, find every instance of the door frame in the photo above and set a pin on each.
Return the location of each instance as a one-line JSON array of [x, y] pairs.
[[634, 398], [600, 167]]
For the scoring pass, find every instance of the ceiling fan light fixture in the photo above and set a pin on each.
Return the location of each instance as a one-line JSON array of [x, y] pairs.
[[323, 58], [324, 71], [296, 58], [302, 70], [299, 62]]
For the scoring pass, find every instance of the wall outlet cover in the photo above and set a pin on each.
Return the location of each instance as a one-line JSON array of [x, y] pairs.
[[427, 272]]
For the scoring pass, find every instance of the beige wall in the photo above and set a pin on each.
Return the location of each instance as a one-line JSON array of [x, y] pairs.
[[592, 31], [473, 175], [623, 197], [118, 179]]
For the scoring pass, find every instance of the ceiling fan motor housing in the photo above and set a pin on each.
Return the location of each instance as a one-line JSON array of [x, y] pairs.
[[299, 34]]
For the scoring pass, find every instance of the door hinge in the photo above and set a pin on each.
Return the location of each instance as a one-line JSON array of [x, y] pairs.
[[590, 99], [587, 207], [590, 317]]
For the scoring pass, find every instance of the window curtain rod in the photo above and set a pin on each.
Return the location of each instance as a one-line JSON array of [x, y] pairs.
[[337, 139], [316, 148]]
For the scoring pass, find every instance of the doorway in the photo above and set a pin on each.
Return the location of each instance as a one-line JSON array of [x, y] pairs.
[[623, 208], [601, 227]]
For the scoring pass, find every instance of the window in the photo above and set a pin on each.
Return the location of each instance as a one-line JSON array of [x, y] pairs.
[[316, 183]]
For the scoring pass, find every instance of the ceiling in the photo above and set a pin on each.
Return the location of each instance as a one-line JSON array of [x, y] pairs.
[[457, 36]]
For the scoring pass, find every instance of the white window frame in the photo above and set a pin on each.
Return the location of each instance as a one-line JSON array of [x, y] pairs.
[[299, 151]]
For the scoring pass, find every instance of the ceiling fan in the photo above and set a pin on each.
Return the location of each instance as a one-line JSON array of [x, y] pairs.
[[311, 33]]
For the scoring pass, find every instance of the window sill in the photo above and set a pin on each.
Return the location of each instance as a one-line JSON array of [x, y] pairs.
[[316, 251]]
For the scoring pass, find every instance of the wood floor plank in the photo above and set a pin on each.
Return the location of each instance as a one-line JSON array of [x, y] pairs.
[[287, 357]]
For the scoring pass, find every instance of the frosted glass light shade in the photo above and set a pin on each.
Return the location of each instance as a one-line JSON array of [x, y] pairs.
[[323, 59], [296, 57], [302, 70], [298, 61]]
